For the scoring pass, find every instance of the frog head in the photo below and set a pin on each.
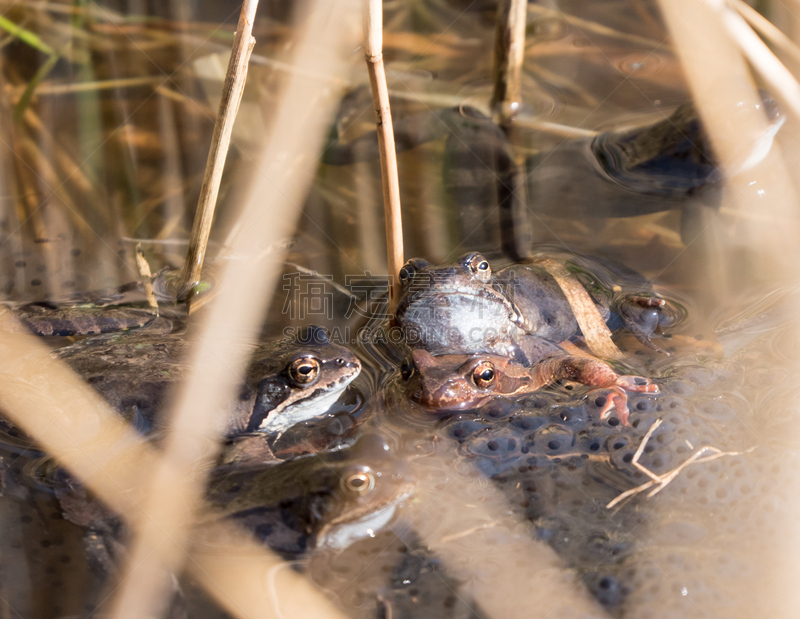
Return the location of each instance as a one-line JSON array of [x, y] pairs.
[[459, 382], [294, 380]]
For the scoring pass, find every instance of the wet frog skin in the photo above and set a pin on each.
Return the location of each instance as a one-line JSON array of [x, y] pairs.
[[325, 502], [458, 382], [466, 308], [287, 382]]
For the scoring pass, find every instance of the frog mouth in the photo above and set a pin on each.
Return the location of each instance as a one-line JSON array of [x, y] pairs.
[[305, 404], [339, 535]]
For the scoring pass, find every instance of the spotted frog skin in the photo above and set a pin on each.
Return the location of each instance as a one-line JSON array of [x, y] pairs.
[[287, 382], [326, 502], [459, 382], [465, 308]]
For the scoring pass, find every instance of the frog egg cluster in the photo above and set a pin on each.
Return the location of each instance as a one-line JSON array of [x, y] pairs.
[[559, 465]]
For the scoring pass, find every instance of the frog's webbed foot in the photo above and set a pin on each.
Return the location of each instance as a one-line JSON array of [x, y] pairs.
[[617, 398], [643, 316]]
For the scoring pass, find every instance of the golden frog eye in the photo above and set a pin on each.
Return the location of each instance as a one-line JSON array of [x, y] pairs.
[[304, 371], [359, 483], [484, 375], [480, 268]]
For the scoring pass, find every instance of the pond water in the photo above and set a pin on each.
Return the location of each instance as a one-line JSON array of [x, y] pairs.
[[516, 509]]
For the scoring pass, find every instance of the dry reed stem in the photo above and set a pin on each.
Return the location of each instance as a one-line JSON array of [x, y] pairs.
[[593, 327], [234, 316], [372, 12], [509, 54], [232, 91], [146, 276], [46, 399], [731, 110], [771, 69], [769, 31], [659, 482], [468, 525]]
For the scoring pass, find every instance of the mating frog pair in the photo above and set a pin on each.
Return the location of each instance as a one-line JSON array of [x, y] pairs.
[[479, 334]]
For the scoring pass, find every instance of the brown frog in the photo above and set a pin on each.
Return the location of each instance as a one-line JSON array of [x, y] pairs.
[[458, 382], [287, 381]]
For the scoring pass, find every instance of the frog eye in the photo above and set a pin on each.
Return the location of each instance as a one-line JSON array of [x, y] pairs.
[[484, 375], [407, 273], [304, 371], [407, 369], [359, 482], [480, 268]]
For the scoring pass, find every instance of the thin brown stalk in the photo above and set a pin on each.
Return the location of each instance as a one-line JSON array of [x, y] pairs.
[[509, 54], [232, 91], [233, 317], [373, 52]]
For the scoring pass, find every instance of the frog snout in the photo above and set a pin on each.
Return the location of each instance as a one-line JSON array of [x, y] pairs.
[[444, 395]]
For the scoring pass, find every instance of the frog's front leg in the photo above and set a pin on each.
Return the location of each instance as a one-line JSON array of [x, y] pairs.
[[596, 373]]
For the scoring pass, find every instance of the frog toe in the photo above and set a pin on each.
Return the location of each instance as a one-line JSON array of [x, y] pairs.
[[637, 384], [616, 400]]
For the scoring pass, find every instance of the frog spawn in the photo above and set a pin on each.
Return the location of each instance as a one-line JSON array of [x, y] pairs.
[[559, 465]]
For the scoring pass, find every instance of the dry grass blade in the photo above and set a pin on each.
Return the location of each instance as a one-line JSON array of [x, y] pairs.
[[233, 317], [71, 422], [593, 327], [509, 53], [232, 91], [373, 52], [658, 482]]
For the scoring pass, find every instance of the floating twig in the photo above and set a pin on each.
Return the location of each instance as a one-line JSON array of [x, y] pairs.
[[593, 327], [232, 91], [658, 482], [373, 52], [509, 54]]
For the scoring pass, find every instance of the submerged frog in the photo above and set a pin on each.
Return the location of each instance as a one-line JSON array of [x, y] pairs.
[[458, 382], [287, 381], [324, 502], [465, 308]]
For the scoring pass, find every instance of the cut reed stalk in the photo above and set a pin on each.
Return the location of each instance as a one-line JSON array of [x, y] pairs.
[[373, 52], [509, 54], [232, 91]]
